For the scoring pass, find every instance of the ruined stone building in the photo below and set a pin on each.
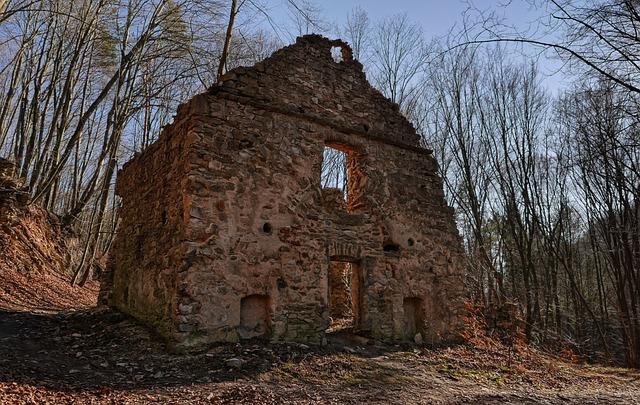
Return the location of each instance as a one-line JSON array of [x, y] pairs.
[[226, 232]]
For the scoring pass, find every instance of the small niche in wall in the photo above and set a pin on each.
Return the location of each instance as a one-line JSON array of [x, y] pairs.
[[413, 317], [266, 228], [391, 248], [255, 318], [138, 247]]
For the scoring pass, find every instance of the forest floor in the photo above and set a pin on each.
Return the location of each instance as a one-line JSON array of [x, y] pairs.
[[53, 352]]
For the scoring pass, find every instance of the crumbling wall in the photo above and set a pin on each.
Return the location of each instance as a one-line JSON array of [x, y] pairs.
[[424, 257], [250, 233], [149, 250], [252, 191], [303, 80], [263, 226]]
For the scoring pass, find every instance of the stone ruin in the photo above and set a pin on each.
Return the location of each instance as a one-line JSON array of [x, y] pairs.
[[226, 233]]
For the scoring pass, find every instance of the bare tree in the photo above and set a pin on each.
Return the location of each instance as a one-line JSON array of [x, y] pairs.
[[305, 17], [357, 31], [455, 129], [399, 54], [606, 156], [233, 12], [597, 35], [88, 83]]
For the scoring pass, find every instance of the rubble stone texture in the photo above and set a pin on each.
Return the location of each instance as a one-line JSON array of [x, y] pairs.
[[226, 233]]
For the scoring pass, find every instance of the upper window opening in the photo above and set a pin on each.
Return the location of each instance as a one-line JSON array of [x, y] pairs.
[[334, 170], [343, 177], [336, 54]]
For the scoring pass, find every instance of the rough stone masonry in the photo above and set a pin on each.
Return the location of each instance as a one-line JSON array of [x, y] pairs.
[[226, 233]]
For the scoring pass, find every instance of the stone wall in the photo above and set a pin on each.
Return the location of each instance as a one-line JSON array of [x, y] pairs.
[[150, 249], [226, 232]]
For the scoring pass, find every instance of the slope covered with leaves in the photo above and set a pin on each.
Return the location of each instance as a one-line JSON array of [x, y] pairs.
[[35, 253]]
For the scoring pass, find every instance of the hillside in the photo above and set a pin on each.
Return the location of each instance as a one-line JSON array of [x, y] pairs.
[[35, 254]]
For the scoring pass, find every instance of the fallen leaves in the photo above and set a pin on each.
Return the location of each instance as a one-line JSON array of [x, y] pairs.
[[99, 356]]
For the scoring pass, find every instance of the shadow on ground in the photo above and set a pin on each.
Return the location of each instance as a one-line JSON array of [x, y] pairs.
[[101, 356], [93, 349]]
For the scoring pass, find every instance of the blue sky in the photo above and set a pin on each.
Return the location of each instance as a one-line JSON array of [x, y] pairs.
[[437, 17]]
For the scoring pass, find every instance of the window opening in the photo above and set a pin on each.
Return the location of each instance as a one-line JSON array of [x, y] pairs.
[[336, 54], [342, 177], [334, 170]]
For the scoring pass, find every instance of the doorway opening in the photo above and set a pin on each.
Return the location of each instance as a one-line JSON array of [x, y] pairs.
[[344, 296]]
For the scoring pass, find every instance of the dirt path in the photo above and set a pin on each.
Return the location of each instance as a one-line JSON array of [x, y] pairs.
[[102, 357]]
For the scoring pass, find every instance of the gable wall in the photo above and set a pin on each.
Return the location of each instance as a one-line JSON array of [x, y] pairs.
[[249, 153], [250, 167]]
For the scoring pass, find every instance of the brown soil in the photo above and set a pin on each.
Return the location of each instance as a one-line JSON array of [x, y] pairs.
[[31, 239], [36, 252], [99, 356], [44, 292]]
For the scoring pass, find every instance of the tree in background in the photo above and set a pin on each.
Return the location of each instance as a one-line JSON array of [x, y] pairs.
[[545, 189], [584, 221], [84, 84]]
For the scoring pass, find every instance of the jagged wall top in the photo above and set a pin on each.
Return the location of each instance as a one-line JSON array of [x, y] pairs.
[[304, 79]]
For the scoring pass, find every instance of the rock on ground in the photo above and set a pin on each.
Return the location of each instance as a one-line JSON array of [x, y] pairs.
[[99, 356]]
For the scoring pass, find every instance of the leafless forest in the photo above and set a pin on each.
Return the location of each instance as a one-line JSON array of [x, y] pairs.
[[545, 186]]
